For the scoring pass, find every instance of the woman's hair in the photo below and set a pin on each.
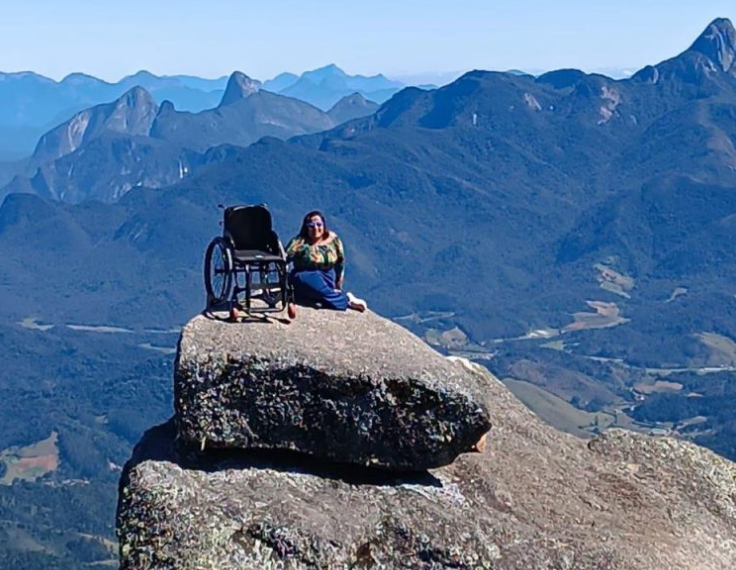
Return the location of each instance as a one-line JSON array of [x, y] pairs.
[[304, 232]]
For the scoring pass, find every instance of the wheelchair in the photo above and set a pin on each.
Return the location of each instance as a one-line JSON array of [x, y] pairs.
[[246, 266]]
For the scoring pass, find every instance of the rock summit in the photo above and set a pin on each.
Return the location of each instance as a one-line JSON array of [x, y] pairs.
[[537, 498], [346, 387]]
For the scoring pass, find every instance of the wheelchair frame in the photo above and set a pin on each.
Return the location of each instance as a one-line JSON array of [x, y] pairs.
[[261, 259]]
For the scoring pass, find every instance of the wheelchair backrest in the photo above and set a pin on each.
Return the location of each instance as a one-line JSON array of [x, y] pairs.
[[250, 227]]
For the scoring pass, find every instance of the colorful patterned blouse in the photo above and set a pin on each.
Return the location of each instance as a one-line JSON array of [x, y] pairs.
[[326, 256]]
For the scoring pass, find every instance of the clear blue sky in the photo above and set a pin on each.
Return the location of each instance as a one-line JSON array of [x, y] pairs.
[[395, 37]]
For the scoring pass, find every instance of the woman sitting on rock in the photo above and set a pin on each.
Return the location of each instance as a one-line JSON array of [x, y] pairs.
[[319, 267]]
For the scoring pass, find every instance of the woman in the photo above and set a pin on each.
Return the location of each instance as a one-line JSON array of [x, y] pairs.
[[319, 267]]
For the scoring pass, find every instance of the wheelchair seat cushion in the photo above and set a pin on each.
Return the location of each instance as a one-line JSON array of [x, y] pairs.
[[254, 256]]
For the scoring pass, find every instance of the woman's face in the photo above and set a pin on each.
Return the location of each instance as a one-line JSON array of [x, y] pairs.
[[316, 228]]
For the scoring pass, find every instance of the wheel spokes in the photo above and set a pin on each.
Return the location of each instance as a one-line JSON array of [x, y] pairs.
[[219, 271]]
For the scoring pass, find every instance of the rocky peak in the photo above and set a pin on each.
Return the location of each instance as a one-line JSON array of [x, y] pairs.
[[138, 100], [718, 43], [132, 114], [423, 412], [711, 55], [239, 87], [166, 107], [537, 498]]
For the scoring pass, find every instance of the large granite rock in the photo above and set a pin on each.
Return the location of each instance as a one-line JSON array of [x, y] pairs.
[[345, 386], [538, 499]]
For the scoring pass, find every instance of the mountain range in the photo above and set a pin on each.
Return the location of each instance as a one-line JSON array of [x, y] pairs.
[[104, 151], [324, 87], [572, 232], [31, 104]]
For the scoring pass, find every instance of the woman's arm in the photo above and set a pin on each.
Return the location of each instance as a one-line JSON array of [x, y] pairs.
[[340, 263]]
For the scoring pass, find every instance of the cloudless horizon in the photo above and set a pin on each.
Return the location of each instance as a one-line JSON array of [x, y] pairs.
[[413, 39]]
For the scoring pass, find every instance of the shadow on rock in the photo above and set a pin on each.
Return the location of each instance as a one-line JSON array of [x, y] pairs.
[[221, 313], [160, 443]]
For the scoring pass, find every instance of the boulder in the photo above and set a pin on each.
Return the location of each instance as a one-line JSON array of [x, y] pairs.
[[344, 386], [538, 499]]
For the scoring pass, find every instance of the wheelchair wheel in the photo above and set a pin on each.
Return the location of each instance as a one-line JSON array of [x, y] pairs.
[[218, 271]]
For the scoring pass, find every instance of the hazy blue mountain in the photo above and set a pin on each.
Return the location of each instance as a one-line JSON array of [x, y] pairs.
[[202, 84], [327, 72], [280, 82], [245, 114], [518, 72], [18, 142], [86, 88], [325, 86], [31, 104], [180, 92], [358, 82], [187, 98], [21, 92], [352, 107], [132, 114], [103, 152], [97, 154]]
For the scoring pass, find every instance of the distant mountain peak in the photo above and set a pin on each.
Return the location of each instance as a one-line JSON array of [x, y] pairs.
[[718, 43], [77, 77], [355, 98], [132, 114], [352, 107], [137, 97], [714, 52], [239, 87], [143, 73], [328, 71], [166, 107], [330, 67], [24, 75], [286, 75]]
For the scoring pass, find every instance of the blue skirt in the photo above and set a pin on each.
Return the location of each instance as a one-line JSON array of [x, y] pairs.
[[316, 288]]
